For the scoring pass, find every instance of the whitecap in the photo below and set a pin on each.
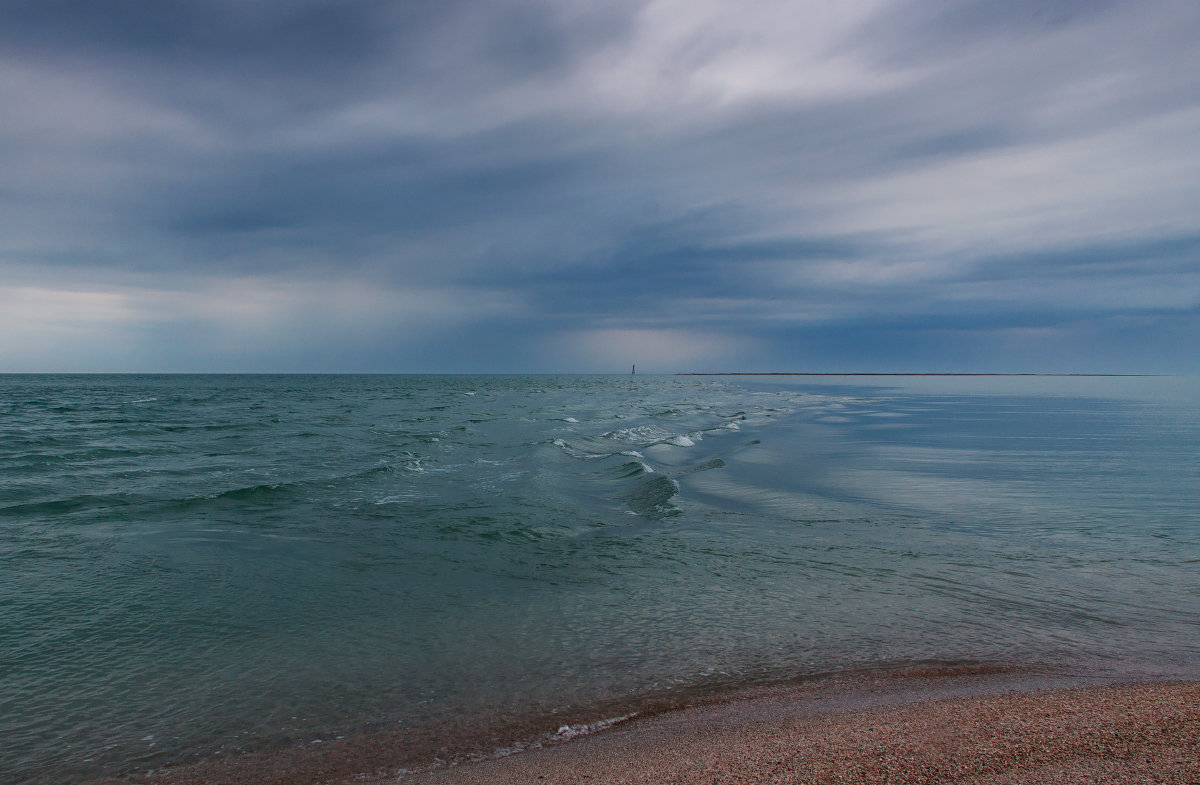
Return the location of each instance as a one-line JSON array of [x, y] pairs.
[[399, 498], [640, 433]]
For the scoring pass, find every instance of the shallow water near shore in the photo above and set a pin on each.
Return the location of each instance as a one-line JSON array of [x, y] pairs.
[[194, 566]]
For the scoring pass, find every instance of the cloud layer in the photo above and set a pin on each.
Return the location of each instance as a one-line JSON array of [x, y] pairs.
[[529, 185]]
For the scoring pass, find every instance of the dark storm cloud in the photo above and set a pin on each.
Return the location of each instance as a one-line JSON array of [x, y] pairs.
[[253, 69], [213, 34], [413, 187], [301, 40], [643, 277], [386, 183]]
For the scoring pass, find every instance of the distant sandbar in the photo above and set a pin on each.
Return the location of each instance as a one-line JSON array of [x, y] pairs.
[[874, 373]]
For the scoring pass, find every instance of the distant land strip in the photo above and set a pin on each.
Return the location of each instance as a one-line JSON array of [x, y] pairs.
[[873, 373]]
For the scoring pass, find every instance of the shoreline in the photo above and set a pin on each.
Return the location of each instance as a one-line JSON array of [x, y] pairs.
[[1142, 732], [735, 735]]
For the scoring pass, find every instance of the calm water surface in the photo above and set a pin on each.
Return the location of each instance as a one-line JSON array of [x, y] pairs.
[[202, 564]]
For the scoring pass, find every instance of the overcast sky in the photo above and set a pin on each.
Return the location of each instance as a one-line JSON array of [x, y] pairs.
[[552, 185]]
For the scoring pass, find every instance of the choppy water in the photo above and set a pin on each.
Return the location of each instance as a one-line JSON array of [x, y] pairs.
[[193, 564]]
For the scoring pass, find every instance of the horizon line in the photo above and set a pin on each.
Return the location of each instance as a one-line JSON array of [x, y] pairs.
[[577, 373]]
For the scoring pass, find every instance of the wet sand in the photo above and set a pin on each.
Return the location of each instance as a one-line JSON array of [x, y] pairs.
[[971, 726]]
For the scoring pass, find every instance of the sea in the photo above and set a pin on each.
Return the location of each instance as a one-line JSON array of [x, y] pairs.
[[198, 566]]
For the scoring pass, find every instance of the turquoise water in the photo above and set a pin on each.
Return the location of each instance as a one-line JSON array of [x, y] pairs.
[[201, 564]]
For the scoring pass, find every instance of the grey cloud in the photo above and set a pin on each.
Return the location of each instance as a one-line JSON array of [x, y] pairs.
[[230, 46], [1143, 256], [223, 34], [920, 31], [465, 145], [302, 56]]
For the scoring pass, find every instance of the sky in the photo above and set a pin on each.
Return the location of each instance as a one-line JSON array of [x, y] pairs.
[[566, 186]]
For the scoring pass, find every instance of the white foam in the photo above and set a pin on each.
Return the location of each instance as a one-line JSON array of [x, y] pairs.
[[570, 419], [396, 499], [731, 426], [646, 468], [641, 433], [681, 441], [572, 731], [632, 454], [469, 393], [564, 733]]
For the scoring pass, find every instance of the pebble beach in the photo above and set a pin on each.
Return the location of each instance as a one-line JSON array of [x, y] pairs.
[[971, 728], [1133, 733]]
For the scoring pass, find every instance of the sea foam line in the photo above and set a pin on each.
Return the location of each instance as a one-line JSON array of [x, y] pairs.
[[563, 734]]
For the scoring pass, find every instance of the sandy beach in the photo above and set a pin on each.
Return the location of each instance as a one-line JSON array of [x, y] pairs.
[[976, 728]]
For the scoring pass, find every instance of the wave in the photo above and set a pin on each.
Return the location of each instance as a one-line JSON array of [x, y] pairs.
[[564, 733], [626, 470], [578, 452], [68, 505], [711, 463], [644, 435], [250, 493], [652, 498]]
